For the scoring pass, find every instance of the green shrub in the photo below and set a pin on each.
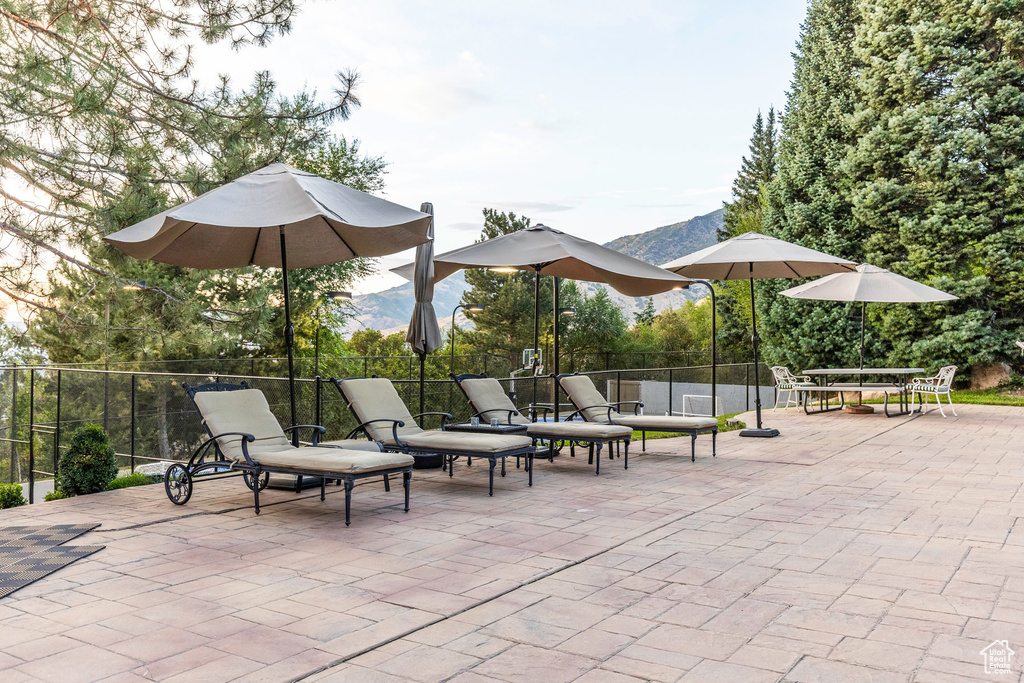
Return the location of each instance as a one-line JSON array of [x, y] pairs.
[[10, 496], [55, 495], [128, 480], [89, 465]]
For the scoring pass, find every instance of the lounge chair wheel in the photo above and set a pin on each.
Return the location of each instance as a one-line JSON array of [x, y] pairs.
[[178, 484], [264, 480]]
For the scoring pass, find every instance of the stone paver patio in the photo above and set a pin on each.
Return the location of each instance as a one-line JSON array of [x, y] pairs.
[[850, 548]]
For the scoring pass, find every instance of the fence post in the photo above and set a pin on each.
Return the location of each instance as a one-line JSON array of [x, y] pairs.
[[32, 436], [56, 433], [132, 447], [485, 363], [364, 367], [319, 390]]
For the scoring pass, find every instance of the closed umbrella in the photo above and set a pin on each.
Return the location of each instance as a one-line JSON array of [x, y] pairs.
[[424, 335], [276, 217], [754, 256], [868, 284], [547, 251]]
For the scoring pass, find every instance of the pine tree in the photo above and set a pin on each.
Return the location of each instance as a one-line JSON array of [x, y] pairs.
[[743, 213], [505, 326], [937, 171], [646, 315], [809, 201]]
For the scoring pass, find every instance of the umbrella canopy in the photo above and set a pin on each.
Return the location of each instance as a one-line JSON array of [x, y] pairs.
[[868, 284], [753, 256], [424, 335], [552, 252], [757, 256], [239, 224], [279, 217]]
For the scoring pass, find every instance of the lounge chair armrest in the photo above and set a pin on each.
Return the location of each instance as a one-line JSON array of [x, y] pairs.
[[318, 431], [246, 440], [637, 405], [534, 409], [395, 424], [444, 416], [498, 410]]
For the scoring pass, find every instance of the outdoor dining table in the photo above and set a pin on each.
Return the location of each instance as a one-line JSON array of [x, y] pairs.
[[824, 389]]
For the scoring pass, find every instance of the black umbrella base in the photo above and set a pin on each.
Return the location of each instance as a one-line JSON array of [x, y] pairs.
[[764, 432], [430, 461]]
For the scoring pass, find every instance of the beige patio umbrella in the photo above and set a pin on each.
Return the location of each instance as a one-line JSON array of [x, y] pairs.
[[867, 284], [277, 217], [423, 334], [753, 256], [547, 251]]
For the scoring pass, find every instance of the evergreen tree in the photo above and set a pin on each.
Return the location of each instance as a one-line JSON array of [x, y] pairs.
[[505, 326], [937, 171], [646, 315], [598, 324], [743, 213], [809, 201]]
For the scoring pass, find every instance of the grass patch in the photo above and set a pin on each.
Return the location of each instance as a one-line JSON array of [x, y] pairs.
[[129, 480], [988, 397], [722, 427]]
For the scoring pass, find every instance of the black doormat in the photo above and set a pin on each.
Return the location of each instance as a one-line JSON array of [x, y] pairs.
[[28, 553]]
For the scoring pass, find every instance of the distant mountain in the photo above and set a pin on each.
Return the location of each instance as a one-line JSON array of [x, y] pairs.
[[389, 310], [669, 242]]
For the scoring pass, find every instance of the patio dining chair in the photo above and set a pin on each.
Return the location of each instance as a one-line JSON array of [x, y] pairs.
[[937, 386], [786, 381], [245, 437]]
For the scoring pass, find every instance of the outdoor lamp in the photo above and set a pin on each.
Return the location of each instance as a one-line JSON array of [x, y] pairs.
[[339, 296], [134, 285], [476, 308], [567, 311], [504, 269]]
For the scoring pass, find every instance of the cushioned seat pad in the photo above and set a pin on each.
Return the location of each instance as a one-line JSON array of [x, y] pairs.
[[462, 442], [353, 445], [652, 423], [335, 460], [578, 430]]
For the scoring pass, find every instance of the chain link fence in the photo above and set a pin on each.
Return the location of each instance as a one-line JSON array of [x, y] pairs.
[[149, 417]]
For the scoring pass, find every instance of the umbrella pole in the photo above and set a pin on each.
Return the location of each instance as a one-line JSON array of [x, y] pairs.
[[536, 332], [760, 431], [554, 361], [863, 315], [714, 347], [289, 338], [423, 364]]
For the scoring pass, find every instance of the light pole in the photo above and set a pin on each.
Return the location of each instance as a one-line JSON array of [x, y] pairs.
[[476, 308], [559, 312], [329, 296]]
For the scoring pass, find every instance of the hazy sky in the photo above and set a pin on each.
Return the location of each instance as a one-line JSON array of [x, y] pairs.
[[598, 118]]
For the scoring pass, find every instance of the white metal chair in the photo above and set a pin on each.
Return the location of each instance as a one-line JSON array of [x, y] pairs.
[[786, 381], [937, 386], [1020, 345]]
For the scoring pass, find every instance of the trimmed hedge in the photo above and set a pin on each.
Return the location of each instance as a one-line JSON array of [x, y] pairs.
[[10, 496], [89, 465]]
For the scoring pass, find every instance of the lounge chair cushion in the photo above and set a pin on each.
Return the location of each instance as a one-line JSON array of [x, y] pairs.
[[375, 398], [666, 423], [582, 392], [243, 410], [462, 442], [334, 460], [486, 394], [353, 445], [578, 430]]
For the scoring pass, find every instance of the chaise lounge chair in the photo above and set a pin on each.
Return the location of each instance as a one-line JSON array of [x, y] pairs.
[[245, 436], [593, 407], [489, 400], [384, 418]]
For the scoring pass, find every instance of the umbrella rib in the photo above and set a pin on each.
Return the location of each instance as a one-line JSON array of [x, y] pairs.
[[324, 219], [729, 272], [255, 246], [796, 274]]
